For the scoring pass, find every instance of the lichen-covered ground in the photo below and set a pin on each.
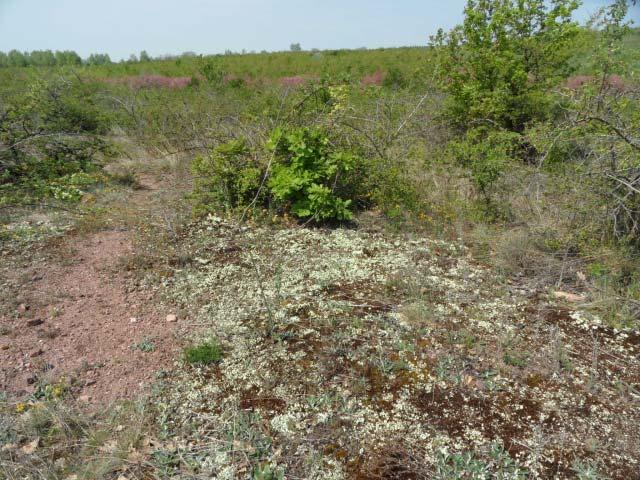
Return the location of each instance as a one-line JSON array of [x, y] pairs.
[[359, 354]]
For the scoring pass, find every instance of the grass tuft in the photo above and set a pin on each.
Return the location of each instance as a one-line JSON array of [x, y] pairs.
[[203, 354]]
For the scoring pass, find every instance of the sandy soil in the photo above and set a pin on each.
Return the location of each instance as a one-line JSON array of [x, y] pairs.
[[80, 318]]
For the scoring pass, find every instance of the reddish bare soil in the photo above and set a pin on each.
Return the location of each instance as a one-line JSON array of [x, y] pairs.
[[80, 319]]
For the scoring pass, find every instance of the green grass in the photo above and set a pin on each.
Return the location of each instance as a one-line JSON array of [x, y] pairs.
[[203, 354]]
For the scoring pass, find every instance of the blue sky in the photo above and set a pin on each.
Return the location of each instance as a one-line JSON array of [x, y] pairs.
[[122, 27]]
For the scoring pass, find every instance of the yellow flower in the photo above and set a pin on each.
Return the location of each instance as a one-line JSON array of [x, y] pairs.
[[21, 407]]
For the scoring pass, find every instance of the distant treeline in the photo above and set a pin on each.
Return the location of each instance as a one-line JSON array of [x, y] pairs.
[[48, 58]]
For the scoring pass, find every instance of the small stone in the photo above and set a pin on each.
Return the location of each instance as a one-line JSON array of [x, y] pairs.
[[35, 322], [36, 353], [88, 383], [172, 318], [84, 398], [31, 380], [133, 320], [22, 308], [5, 347]]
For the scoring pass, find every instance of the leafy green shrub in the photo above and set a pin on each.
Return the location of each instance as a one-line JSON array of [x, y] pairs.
[[486, 154], [203, 354], [394, 78], [228, 177], [212, 72], [498, 68], [498, 65], [49, 140], [309, 176]]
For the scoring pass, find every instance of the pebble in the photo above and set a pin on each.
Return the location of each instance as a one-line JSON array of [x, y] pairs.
[[35, 322], [172, 318]]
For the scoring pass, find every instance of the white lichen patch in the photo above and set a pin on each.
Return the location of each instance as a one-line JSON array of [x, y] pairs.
[[346, 353]]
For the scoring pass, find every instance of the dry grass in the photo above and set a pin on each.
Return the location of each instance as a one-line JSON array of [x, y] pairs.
[[57, 439]]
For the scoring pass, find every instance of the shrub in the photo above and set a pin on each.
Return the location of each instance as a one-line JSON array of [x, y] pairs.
[[497, 69], [152, 81], [309, 175], [394, 79], [228, 177], [212, 72], [486, 154], [498, 65], [49, 139], [234, 81], [203, 354]]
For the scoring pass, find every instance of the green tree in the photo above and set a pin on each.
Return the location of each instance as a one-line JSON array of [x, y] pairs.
[[17, 59], [497, 69], [144, 56], [295, 47], [42, 58], [98, 59], [498, 65], [67, 57]]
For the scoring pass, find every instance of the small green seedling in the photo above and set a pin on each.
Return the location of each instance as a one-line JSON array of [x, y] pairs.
[[145, 346]]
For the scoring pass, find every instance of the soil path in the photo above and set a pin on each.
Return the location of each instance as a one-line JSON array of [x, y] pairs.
[[83, 319]]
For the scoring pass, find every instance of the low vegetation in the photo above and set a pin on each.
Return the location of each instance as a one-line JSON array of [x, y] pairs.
[[203, 354], [398, 263]]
